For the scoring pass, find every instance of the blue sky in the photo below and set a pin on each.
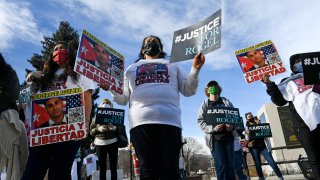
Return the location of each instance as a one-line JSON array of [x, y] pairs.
[[293, 26]]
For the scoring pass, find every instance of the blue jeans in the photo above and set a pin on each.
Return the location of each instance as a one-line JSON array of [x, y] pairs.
[[255, 152], [239, 164], [223, 155]]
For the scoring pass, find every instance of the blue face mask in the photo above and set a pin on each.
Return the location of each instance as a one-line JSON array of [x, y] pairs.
[[298, 68]]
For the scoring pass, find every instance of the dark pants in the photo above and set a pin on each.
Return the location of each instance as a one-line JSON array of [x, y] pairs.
[[223, 155], [112, 151], [58, 158], [310, 142], [157, 147], [255, 152], [239, 164]]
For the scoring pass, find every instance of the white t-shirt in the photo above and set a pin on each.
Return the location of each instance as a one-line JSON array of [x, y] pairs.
[[153, 87], [91, 163], [304, 97]]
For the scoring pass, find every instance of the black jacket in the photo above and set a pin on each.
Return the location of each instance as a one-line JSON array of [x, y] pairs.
[[9, 90]]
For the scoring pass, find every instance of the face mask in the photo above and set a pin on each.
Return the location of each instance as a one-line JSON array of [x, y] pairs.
[[60, 56], [298, 68], [106, 106], [152, 49], [213, 90], [92, 147], [251, 119]]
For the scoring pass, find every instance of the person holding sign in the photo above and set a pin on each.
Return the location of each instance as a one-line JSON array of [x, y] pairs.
[[304, 104], [58, 157], [155, 114], [260, 146], [219, 137], [106, 143]]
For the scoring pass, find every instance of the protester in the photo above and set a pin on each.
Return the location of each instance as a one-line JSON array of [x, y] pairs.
[[256, 56], [219, 138], [106, 143], [103, 58], [238, 156], [58, 157], [90, 163], [260, 146], [154, 113], [13, 136], [304, 107]]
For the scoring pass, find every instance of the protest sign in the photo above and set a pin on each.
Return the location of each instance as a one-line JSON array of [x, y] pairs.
[[223, 115], [259, 59], [262, 130], [57, 116], [204, 37], [99, 62], [110, 115], [25, 93], [311, 67]]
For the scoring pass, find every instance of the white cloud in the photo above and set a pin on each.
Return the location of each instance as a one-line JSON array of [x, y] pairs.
[[17, 23]]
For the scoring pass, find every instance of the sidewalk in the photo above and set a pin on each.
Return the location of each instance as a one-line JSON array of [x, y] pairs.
[[290, 177]]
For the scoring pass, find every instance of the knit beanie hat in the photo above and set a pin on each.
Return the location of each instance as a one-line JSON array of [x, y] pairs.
[[293, 59]]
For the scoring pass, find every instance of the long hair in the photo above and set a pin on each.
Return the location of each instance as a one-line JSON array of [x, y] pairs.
[[4, 66], [141, 55], [52, 67]]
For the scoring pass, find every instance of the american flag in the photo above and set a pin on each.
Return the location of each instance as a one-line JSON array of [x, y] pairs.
[[117, 62], [74, 101], [268, 50]]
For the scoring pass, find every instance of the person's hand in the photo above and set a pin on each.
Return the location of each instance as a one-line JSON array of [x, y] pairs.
[[111, 127], [229, 127], [105, 87], [102, 128], [265, 79], [218, 127], [247, 131], [198, 61]]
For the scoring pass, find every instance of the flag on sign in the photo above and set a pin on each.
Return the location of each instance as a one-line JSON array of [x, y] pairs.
[[87, 51], [39, 115], [245, 63], [74, 101]]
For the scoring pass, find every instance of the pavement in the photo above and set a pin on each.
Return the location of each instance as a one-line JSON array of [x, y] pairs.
[[290, 177]]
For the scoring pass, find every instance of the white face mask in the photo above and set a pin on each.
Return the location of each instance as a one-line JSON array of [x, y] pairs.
[[92, 147], [106, 105]]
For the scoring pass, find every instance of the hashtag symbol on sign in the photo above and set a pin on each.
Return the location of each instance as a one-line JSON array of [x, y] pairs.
[[307, 61], [178, 38]]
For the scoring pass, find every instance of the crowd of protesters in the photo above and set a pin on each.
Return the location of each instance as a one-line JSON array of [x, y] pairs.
[[154, 119]]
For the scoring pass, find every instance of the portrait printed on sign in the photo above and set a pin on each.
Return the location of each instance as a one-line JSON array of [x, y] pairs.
[[260, 59], [99, 62], [152, 73], [57, 116]]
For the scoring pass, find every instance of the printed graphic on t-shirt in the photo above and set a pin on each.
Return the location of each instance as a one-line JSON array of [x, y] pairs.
[[152, 73], [89, 160], [301, 86], [58, 84], [316, 88]]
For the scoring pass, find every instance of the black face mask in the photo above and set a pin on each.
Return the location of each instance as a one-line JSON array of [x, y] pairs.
[[152, 49], [251, 119]]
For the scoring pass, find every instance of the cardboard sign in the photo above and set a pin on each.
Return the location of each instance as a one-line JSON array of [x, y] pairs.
[[262, 130], [204, 37], [311, 67], [25, 93], [259, 59], [110, 115], [223, 115], [57, 116], [99, 62]]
